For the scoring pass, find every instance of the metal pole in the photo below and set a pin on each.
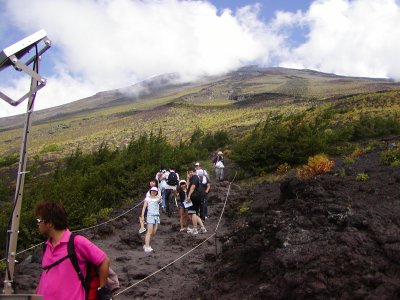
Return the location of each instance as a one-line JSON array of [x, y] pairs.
[[13, 232]]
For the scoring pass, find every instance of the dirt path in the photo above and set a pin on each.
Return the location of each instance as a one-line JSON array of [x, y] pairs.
[[124, 246]]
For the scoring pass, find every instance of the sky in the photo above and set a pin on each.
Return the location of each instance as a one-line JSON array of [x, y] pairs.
[[99, 45]]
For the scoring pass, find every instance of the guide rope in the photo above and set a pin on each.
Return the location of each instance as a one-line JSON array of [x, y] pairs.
[[185, 254]]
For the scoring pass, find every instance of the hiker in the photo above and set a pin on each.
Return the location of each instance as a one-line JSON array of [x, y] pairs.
[[152, 203], [219, 166], [59, 279], [205, 184], [161, 180], [182, 190], [142, 221], [172, 181], [194, 195]]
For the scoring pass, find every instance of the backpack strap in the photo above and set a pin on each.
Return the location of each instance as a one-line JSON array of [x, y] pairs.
[[74, 259], [71, 255], [55, 263]]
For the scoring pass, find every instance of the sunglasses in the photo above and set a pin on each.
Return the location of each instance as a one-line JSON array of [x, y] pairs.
[[38, 221]]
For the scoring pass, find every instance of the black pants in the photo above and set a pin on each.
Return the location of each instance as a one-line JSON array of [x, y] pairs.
[[204, 207]]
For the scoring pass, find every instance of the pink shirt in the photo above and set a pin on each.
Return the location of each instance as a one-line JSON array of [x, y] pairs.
[[62, 282]]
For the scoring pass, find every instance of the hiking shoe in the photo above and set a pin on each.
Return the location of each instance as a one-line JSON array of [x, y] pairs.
[[203, 230], [141, 230], [147, 249], [182, 229], [193, 231]]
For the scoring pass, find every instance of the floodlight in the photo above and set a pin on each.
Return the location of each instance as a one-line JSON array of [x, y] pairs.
[[13, 55], [30, 49]]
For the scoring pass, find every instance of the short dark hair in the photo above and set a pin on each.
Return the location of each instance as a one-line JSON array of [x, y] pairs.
[[193, 169], [52, 212]]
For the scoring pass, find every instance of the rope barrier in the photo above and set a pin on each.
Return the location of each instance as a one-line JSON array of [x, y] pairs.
[[163, 268], [83, 229], [185, 254], [166, 266]]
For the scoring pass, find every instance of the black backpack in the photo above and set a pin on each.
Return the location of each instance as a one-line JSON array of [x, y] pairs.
[[91, 270], [172, 179]]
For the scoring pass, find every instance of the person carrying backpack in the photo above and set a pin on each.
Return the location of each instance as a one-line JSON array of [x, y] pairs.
[[172, 181], [194, 195], [59, 279], [205, 182]]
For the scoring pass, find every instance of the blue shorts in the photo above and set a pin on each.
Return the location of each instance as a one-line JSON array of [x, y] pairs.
[[153, 219]]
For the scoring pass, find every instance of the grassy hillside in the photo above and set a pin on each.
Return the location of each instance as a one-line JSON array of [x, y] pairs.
[[235, 102]]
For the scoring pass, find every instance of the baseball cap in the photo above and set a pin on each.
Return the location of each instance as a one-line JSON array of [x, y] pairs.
[[197, 164], [154, 189]]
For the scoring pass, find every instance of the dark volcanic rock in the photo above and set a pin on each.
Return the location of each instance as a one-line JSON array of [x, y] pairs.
[[326, 238]]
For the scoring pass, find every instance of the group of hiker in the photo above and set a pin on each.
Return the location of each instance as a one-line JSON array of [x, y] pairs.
[[189, 196], [75, 268]]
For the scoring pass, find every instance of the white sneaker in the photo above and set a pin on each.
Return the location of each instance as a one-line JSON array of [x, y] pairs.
[[203, 230], [194, 231], [147, 249], [141, 230]]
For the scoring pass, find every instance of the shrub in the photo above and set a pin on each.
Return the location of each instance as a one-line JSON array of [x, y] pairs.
[[391, 156], [50, 148], [348, 160], [244, 207], [283, 169], [281, 139], [362, 177], [318, 164], [8, 160], [374, 126], [357, 152]]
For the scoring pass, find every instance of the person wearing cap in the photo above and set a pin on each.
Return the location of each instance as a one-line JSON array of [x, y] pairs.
[[152, 203], [152, 183], [205, 182], [194, 196], [219, 166], [182, 190]]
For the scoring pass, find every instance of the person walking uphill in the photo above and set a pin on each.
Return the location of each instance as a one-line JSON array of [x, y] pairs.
[[152, 204], [59, 279], [194, 194], [218, 162]]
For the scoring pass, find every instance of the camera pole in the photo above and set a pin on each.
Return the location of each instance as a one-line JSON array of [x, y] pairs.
[[8, 57]]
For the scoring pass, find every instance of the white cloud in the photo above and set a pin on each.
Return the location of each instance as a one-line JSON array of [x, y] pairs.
[[354, 38], [106, 44]]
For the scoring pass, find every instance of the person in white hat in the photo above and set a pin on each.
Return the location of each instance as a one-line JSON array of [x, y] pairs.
[[152, 204], [219, 166]]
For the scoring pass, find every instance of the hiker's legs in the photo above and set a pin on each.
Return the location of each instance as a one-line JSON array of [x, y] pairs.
[[149, 235], [199, 221], [163, 198], [205, 212], [194, 221], [181, 215], [218, 173], [155, 227]]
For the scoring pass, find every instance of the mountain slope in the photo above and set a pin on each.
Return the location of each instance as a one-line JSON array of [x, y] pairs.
[[234, 102]]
